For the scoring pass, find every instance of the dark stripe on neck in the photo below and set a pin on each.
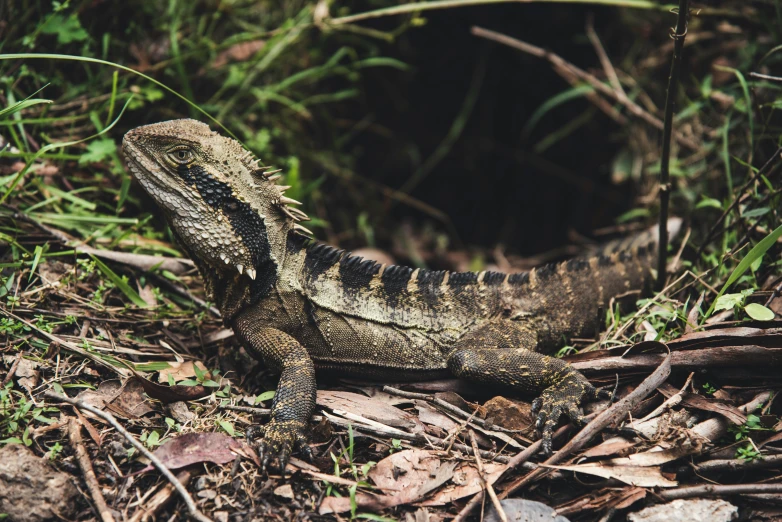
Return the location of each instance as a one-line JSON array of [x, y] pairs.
[[245, 222]]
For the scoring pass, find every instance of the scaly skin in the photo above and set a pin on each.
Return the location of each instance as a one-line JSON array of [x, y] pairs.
[[300, 306]]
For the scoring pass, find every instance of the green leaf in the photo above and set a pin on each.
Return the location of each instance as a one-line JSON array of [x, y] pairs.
[[756, 252], [728, 301], [709, 202], [200, 374], [756, 212], [153, 439], [759, 312], [36, 260], [265, 396], [98, 150], [68, 29], [227, 426]]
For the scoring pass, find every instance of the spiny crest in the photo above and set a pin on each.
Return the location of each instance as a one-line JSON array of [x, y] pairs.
[[266, 174]]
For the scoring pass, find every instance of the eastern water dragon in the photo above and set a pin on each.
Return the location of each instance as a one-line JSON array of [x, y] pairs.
[[303, 307]]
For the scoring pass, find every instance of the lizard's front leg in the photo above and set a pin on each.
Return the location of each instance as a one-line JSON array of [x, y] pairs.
[[294, 400]]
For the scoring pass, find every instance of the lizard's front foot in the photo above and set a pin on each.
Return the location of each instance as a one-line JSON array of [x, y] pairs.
[[564, 397], [280, 438]]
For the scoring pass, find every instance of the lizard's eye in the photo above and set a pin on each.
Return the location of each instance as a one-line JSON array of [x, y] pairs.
[[181, 154]]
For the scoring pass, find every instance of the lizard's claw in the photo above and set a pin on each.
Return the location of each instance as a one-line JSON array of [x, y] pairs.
[[562, 398], [279, 439]]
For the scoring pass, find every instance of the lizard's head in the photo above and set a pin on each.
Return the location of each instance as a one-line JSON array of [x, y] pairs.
[[221, 203]]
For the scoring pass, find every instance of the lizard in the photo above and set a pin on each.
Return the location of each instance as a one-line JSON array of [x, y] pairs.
[[302, 306]]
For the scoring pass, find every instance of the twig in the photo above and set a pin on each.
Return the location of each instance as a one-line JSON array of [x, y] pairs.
[[12, 370], [69, 345], [665, 186], [74, 434], [447, 4], [712, 490], [191, 507], [560, 64], [768, 461], [672, 401], [439, 402], [486, 485], [605, 62]]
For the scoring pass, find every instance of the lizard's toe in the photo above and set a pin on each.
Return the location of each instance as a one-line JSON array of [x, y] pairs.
[[561, 398], [279, 438]]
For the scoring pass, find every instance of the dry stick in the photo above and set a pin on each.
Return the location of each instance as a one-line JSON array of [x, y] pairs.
[[416, 7], [672, 401], [74, 434], [560, 63], [610, 416], [12, 370], [605, 62], [665, 186], [717, 490], [770, 461], [439, 402], [191, 507], [485, 483]]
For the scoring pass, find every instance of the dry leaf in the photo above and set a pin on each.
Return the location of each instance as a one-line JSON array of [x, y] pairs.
[[645, 477], [181, 371], [372, 409]]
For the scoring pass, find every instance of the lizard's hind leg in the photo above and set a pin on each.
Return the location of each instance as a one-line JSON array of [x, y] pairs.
[[502, 354]]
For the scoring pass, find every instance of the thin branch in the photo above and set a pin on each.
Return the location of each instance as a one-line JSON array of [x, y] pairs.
[[83, 458], [665, 187], [605, 62], [713, 490], [448, 4], [484, 482], [191, 507]]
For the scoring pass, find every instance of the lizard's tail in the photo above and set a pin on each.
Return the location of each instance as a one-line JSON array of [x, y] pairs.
[[569, 295]]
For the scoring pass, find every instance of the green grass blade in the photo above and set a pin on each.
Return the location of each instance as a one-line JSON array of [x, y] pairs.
[[19, 106], [47, 56], [555, 101], [36, 260], [120, 283]]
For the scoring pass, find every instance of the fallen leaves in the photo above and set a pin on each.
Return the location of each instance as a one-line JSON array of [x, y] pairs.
[[193, 448]]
